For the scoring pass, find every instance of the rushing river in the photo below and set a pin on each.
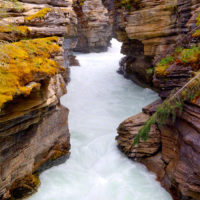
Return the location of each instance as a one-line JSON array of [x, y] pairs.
[[99, 99]]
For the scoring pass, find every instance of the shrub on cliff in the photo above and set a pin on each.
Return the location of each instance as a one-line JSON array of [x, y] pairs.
[[173, 105], [170, 107]]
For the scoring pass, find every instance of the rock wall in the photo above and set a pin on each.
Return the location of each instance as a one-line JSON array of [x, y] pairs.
[[94, 29], [147, 29], [34, 131], [172, 151]]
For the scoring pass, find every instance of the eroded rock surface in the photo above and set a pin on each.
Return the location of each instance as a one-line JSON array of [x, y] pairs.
[[94, 29], [147, 29], [128, 130], [172, 153], [153, 30], [34, 131]]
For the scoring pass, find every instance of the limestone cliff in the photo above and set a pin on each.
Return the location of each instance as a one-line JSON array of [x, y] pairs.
[[94, 29], [34, 135], [147, 29], [172, 151]]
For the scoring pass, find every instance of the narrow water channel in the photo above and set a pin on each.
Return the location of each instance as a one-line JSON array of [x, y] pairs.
[[99, 99]]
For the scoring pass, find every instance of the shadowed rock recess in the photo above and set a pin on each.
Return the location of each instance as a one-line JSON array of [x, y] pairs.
[[147, 29]]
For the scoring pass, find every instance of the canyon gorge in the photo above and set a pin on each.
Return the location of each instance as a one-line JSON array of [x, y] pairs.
[[160, 46]]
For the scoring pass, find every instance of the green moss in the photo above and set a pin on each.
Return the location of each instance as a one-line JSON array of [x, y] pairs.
[[22, 62], [198, 20], [150, 71], [179, 56], [178, 50], [171, 107], [161, 67], [39, 15], [190, 55], [166, 61]]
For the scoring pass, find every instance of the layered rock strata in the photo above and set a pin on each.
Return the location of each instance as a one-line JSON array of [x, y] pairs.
[[175, 158], [172, 152], [35, 19], [147, 29], [34, 135], [94, 29], [34, 131]]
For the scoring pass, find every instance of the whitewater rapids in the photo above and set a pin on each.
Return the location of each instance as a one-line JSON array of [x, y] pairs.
[[99, 99]]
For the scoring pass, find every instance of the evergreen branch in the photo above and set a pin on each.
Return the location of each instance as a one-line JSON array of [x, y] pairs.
[[170, 107]]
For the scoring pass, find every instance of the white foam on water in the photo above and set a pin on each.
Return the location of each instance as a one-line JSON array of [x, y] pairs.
[[99, 99]]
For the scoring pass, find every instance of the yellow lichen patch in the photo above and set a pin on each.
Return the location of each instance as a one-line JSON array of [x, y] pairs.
[[180, 56], [161, 70], [25, 187], [196, 99], [39, 15], [24, 62], [198, 19], [22, 30], [161, 67], [196, 33], [190, 55]]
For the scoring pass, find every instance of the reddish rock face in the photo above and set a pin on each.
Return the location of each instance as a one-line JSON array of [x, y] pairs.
[[34, 131], [176, 158], [128, 130], [26, 151], [33, 134], [177, 162], [94, 29], [147, 30]]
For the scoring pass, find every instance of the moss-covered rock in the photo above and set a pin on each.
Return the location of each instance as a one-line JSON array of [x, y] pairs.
[[39, 15], [25, 187], [24, 62]]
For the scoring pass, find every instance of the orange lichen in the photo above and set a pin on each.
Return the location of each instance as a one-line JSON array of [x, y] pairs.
[[161, 67], [196, 33], [196, 99], [39, 15], [190, 55], [57, 154], [179, 56], [24, 62], [161, 70]]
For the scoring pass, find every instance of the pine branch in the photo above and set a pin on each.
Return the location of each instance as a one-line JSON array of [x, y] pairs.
[[170, 107]]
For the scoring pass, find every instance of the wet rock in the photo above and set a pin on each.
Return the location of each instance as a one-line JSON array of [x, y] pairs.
[[128, 129], [172, 152]]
